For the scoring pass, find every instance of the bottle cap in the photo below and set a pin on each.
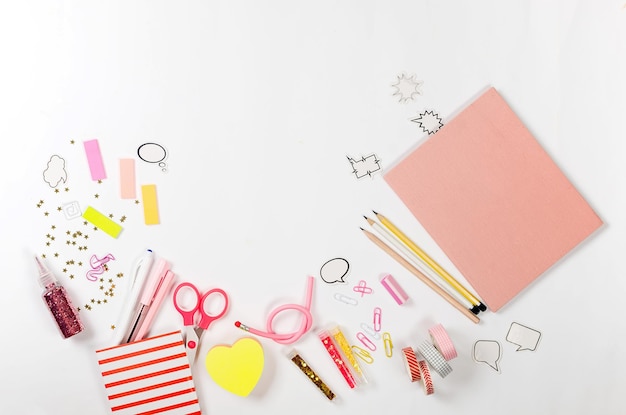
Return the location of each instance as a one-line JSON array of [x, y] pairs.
[[46, 278]]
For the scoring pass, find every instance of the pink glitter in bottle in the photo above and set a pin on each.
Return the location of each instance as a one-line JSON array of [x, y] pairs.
[[60, 305]]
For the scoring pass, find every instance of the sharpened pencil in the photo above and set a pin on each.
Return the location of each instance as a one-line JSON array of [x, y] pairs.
[[431, 262], [406, 264], [420, 264]]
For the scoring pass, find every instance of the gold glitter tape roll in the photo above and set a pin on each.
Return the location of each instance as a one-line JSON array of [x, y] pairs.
[[295, 357]]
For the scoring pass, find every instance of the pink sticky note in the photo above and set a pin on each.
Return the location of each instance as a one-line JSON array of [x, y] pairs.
[[127, 179], [94, 159], [492, 199]]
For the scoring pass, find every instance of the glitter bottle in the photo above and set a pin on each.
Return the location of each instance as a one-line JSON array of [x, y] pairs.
[[57, 300]]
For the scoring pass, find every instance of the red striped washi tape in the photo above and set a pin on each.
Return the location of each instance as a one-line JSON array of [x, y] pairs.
[[442, 342], [410, 362], [427, 380], [435, 359]]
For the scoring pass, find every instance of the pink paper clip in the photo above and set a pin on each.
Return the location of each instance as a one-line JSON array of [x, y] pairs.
[[377, 314], [366, 341]]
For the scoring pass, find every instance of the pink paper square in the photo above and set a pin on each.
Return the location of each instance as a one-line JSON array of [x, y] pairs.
[[492, 199]]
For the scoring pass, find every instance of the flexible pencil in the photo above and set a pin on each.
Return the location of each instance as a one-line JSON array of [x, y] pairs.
[[420, 264], [431, 263], [406, 264]]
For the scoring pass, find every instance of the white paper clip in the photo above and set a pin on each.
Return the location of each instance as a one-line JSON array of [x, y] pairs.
[[345, 299], [370, 330]]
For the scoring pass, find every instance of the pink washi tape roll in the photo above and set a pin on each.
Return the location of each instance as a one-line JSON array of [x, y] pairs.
[[394, 289], [442, 342]]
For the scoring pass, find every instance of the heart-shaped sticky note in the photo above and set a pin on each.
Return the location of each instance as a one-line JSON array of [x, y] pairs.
[[236, 368]]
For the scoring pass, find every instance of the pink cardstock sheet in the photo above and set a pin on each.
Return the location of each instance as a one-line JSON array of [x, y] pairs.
[[492, 199]]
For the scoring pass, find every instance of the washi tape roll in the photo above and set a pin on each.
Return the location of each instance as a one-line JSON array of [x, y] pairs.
[[427, 380], [410, 362], [435, 359], [442, 342]]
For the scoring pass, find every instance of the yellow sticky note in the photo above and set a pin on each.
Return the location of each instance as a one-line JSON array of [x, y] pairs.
[[102, 222], [236, 368], [150, 204]]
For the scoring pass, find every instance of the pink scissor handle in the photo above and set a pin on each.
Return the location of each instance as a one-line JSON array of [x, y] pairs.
[[187, 313], [209, 318]]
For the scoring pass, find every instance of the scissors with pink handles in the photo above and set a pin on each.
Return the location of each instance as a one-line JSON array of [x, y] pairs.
[[192, 332]]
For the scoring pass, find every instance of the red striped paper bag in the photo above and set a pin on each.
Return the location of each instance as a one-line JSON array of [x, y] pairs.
[[150, 376]]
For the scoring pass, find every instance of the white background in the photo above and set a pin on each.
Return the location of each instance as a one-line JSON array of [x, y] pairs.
[[258, 104]]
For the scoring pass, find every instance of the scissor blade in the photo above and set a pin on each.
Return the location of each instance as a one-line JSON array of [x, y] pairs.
[[199, 331]]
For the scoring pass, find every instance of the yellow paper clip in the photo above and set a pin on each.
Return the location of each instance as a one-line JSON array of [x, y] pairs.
[[388, 344], [363, 354]]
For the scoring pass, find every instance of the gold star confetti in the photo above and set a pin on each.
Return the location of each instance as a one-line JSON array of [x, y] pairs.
[[99, 181], [112, 326], [120, 275], [59, 208], [136, 202], [56, 190], [111, 215], [123, 218], [45, 213], [96, 195], [53, 227], [71, 141], [67, 189]]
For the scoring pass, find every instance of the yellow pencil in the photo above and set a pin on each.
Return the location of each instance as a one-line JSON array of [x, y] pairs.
[[406, 264], [431, 263]]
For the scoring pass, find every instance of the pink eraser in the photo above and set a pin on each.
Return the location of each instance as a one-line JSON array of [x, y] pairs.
[[391, 285]]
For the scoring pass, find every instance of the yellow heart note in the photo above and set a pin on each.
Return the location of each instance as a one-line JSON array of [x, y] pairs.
[[236, 368]]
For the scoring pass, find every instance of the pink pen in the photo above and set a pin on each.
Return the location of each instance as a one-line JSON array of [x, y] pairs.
[[161, 291], [159, 268]]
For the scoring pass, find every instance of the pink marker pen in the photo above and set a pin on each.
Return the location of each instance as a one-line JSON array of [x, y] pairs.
[[58, 302]]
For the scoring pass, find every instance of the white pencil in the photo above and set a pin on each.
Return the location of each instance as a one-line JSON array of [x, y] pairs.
[[418, 262]]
